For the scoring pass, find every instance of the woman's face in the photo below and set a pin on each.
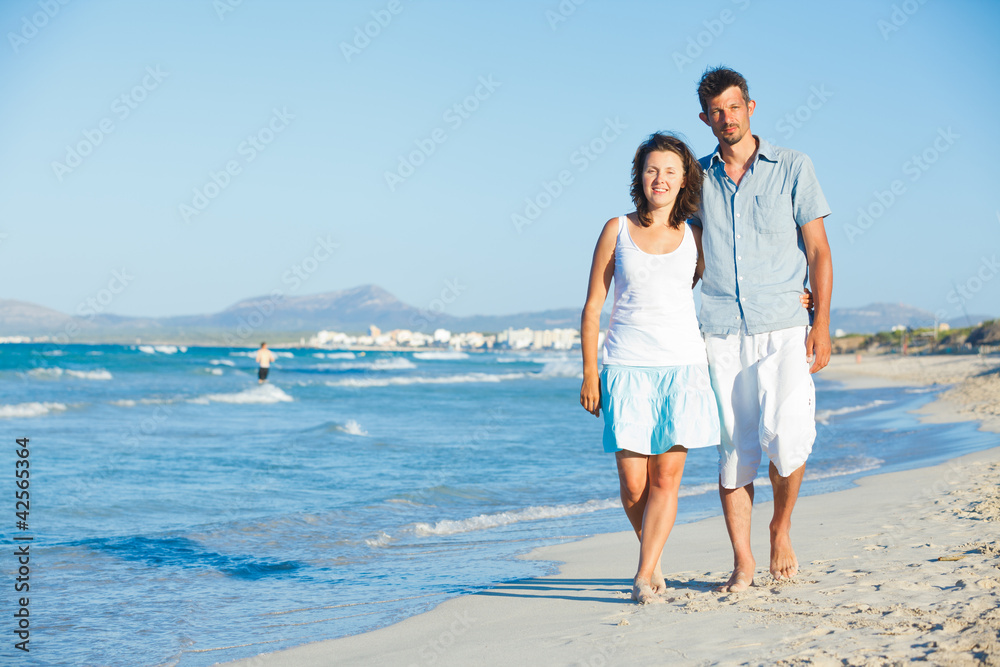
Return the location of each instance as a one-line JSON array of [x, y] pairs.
[[662, 178]]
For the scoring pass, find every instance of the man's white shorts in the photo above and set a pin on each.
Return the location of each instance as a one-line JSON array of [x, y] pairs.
[[767, 400]]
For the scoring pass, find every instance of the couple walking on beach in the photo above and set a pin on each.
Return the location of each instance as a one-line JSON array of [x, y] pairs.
[[748, 222]]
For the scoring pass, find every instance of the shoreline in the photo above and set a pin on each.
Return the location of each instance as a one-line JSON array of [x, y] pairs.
[[869, 573]]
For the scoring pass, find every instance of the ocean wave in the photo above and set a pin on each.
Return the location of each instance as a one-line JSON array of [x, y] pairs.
[[383, 364], [222, 362], [426, 379], [440, 356], [486, 521], [214, 371], [353, 428], [380, 540], [162, 349], [335, 355], [98, 374], [562, 368], [265, 393], [56, 371], [29, 409], [851, 466], [54, 353], [823, 416], [130, 403]]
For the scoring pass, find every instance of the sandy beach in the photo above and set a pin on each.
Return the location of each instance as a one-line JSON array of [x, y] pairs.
[[903, 567]]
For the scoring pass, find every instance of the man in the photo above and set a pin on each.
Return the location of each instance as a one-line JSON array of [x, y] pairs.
[[762, 216], [264, 359]]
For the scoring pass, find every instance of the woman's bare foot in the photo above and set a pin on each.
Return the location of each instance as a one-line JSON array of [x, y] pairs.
[[741, 579], [657, 582], [643, 593]]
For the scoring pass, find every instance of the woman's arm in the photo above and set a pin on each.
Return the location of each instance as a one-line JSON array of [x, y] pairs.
[[699, 269], [602, 270]]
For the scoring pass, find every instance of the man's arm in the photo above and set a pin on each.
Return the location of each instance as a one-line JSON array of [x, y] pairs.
[[820, 261]]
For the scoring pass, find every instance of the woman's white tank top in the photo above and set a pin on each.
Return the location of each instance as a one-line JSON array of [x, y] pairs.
[[653, 321]]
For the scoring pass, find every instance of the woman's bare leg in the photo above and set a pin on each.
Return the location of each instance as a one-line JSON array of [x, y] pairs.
[[664, 472]]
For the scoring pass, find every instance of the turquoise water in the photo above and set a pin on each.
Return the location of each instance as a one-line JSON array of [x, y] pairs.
[[182, 514]]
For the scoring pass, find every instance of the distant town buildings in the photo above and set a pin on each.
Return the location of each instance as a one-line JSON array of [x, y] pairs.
[[517, 339]]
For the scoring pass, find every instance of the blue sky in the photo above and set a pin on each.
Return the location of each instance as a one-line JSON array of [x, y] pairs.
[[402, 157]]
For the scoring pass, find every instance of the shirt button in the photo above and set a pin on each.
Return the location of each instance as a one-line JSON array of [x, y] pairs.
[[737, 215], [738, 236], [738, 257]]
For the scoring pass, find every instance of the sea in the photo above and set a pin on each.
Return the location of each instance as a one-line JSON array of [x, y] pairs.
[[182, 514]]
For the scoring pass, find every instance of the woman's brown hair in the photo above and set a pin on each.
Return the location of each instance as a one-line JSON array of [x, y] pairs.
[[688, 199]]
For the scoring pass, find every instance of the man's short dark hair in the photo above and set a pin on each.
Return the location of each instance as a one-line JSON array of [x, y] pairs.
[[718, 80]]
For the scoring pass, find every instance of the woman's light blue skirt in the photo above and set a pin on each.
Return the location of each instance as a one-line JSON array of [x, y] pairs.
[[649, 409]]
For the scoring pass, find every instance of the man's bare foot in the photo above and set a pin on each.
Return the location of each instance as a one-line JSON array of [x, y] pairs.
[[741, 579], [657, 582], [643, 593], [784, 565]]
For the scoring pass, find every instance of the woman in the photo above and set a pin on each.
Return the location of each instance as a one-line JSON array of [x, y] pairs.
[[654, 388]]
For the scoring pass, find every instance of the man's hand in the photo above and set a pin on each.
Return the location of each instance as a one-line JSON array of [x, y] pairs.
[[590, 394], [818, 347]]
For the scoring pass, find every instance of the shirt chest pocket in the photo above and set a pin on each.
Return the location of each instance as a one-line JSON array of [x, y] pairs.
[[772, 214]]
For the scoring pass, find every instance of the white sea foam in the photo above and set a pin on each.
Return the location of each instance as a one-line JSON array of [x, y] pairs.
[[124, 402], [29, 409], [341, 355], [440, 356], [55, 372], [265, 393], [425, 379], [46, 372], [823, 416], [353, 428], [94, 353], [380, 540], [162, 349], [214, 371], [98, 374], [485, 521], [54, 353], [383, 364], [222, 362]]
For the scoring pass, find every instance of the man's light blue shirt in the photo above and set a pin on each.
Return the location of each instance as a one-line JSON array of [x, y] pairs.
[[755, 261]]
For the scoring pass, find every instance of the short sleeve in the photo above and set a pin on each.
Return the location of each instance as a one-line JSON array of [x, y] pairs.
[[808, 202]]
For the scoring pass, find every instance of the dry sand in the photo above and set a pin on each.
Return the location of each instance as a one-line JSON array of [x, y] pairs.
[[904, 567]]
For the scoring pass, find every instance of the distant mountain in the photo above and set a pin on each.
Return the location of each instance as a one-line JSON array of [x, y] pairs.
[[877, 317], [353, 311]]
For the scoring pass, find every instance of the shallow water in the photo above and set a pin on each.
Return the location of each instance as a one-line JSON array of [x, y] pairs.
[[183, 514]]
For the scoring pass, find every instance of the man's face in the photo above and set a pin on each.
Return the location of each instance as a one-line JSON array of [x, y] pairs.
[[729, 116]]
